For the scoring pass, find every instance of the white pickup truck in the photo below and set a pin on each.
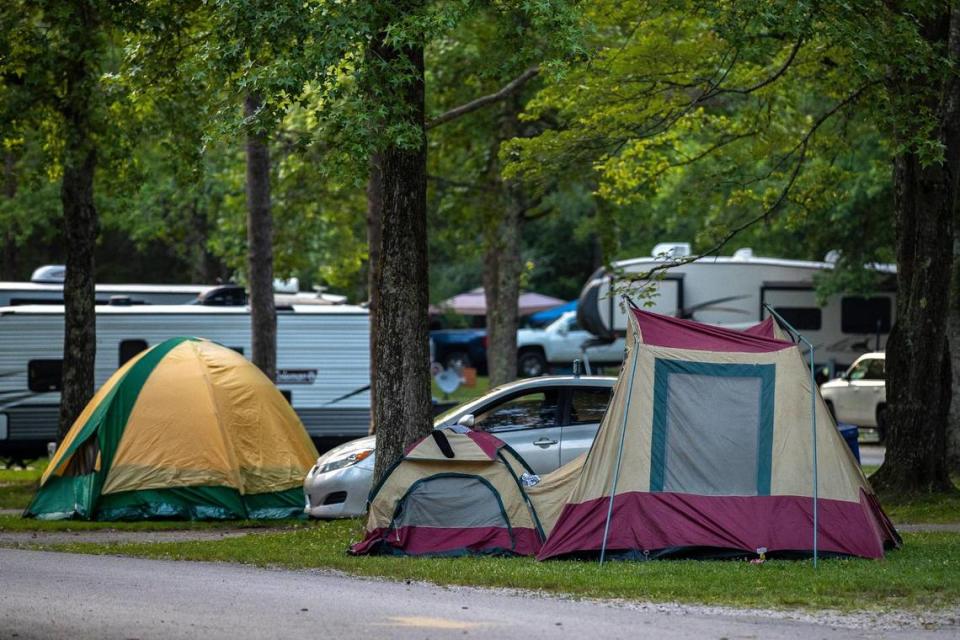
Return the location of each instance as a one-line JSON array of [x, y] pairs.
[[560, 344]]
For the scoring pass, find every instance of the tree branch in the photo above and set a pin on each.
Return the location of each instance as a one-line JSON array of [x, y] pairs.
[[801, 147], [483, 101]]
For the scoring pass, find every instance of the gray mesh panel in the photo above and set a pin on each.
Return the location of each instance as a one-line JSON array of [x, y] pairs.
[[712, 431], [451, 502]]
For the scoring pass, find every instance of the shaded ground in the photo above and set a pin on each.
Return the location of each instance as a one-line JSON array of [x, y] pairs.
[[113, 536], [159, 599]]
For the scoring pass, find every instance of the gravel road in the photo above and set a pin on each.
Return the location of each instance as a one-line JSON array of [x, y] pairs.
[[54, 595]]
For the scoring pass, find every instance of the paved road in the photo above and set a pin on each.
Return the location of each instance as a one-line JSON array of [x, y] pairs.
[[872, 454], [50, 595]]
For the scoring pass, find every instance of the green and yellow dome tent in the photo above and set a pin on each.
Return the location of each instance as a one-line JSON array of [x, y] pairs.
[[187, 429]]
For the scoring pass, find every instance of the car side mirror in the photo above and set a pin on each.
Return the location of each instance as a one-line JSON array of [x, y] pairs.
[[466, 420], [562, 330]]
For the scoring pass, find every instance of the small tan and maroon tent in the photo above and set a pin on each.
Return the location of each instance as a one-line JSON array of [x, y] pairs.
[[453, 494]]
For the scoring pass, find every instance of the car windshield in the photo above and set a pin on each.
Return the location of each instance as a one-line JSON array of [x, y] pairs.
[[449, 413]]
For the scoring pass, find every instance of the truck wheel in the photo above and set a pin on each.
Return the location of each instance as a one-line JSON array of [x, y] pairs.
[[882, 423], [531, 364], [456, 360]]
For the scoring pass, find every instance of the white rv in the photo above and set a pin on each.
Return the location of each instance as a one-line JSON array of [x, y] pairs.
[[323, 361], [22, 293], [732, 291]]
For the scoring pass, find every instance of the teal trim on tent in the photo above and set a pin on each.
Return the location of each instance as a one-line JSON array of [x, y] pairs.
[[766, 373], [200, 503]]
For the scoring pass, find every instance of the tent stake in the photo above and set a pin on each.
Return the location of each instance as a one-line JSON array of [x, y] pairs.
[[813, 424], [623, 432]]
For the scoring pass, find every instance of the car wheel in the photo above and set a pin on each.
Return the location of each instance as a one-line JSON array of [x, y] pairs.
[[456, 360], [882, 423], [531, 364]]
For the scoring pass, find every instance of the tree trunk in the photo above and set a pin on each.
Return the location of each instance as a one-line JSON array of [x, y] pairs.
[[263, 312], [80, 230], [402, 405], [918, 366], [501, 282], [503, 264], [374, 242], [919, 380], [9, 238], [953, 336]]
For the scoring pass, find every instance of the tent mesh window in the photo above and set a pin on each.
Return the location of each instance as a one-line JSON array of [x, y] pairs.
[[712, 428], [451, 501]]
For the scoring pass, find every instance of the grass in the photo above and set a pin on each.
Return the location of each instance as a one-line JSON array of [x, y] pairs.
[[925, 574], [937, 509], [463, 393], [17, 486]]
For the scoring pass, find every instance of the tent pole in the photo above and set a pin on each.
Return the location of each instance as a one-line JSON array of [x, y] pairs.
[[813, 425], [623, 433]]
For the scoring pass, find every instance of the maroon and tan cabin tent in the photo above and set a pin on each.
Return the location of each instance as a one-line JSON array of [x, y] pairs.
[[453, 494], [711, 430]]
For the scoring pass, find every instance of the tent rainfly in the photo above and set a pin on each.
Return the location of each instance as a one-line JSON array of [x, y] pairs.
[[187, 429], [452, 494], [706, 450]]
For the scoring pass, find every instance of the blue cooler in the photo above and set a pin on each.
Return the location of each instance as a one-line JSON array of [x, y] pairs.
[[851, 433]]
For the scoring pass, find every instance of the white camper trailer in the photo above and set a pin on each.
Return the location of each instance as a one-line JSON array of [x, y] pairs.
[[323, 361], [731, 291], [13, 294]]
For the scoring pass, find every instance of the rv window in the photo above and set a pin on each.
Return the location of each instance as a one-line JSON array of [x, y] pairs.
[[865, 315], [802, 318], [130, 348], [45, 375]]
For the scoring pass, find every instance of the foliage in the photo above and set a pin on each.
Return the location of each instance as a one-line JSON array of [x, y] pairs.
[[709, 121]]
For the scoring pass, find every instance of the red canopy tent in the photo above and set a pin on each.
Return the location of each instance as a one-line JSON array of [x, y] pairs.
[[474, 303]]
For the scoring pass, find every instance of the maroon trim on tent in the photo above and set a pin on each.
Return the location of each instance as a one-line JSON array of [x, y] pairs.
[[762, 330], [416, 541], [654, 521], [489, 444], [664, 331]]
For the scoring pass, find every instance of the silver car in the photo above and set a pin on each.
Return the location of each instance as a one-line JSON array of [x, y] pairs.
[[548, 420]]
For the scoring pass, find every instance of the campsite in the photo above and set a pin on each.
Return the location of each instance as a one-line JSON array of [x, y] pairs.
[[423, 319]]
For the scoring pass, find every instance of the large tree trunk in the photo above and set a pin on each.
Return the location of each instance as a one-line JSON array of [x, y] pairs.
[[263, 312], [9, 238], [374, 242], [919, 381], [80, 231], [402, 404], [953, 337]]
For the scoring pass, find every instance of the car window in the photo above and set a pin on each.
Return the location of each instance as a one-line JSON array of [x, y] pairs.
[[573, 326], [859, 371], [587, 406], [527, 411], [875, 369]]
